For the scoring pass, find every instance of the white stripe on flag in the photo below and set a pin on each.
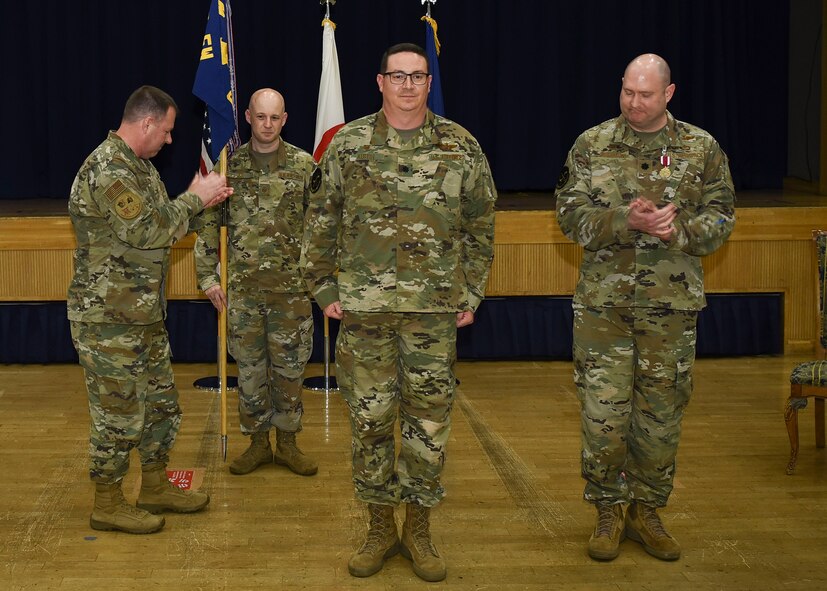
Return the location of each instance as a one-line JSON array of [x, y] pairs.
[[330, 114]]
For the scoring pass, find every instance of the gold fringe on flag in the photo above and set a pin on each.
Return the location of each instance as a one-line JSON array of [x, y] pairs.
[[432, 22], [332, 24]]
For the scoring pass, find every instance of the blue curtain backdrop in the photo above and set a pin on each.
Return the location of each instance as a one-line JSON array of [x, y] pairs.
[[504, 328], [524, 77]]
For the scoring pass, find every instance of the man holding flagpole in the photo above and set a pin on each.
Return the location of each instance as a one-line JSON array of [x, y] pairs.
[[398, 246], [215, 85], [269, 311]]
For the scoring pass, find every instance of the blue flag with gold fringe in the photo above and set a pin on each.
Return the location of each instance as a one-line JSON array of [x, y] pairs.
[[435, 102], [215, 85]]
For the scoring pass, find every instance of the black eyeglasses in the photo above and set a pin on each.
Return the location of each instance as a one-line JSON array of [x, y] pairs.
[[418, 78]]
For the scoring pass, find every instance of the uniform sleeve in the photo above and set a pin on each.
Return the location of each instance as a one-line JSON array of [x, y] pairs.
[[581, 215], [138, 217], [206, 248], [478, 199], [703, 232], [321, 229]]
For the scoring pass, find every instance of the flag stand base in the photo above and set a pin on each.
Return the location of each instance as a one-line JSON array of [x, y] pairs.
[[321, 384], [213, 384]]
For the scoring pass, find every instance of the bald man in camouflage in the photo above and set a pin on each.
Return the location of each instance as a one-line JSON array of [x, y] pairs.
[[646, 196], [124, 224], [405, 212], [268, 308]]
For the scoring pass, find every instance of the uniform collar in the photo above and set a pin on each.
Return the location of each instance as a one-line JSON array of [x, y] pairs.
[[668, 136], [122, 145], [128, 152], [277, 160], [383, 133]]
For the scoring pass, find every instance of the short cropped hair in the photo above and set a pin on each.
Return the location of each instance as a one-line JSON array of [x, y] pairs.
[[148, 101], [402, 48]]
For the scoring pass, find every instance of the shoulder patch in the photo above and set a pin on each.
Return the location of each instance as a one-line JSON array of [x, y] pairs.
[[316, 180], [129, 205], [563, 178], [114, 190]]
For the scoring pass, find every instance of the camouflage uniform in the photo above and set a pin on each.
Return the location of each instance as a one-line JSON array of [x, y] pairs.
[[410, 227], [124, 225], [269, 313], [638, 297]]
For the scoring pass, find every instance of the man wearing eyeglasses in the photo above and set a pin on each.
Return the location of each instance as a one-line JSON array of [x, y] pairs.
[[405, 213], [268, 308]]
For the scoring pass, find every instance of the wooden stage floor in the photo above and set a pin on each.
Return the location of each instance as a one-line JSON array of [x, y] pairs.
[[513, 518]]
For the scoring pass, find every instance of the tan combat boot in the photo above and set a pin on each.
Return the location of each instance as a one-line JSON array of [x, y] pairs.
[[644, 525], [608, 532], [381, 543], [112, 512], [258, 454], [159, 494], [287, 454], [417, 546]]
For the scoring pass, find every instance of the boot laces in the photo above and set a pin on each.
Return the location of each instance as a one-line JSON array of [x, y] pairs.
[[606, 521], [120, 503], [420, 531], [378, 532], [259, 440], [652, 521], [256, 445], [287, 442]]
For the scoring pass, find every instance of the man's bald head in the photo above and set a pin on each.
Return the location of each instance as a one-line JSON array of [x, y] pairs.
[[650, 64], [267, 95], [646, 90]]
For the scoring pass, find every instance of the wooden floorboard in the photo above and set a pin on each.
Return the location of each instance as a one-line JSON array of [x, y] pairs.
[[513, 518]]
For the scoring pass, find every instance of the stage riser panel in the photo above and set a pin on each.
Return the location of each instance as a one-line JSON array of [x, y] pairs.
[[770, 251]]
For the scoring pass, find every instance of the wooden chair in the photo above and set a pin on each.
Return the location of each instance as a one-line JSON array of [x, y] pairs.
[[809, 380]]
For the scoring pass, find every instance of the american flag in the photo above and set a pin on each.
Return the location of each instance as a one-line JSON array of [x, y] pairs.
[[206, 162]]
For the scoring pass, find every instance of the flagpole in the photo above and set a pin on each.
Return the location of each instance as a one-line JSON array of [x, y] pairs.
[[215, 85], [221, 383], [222, 314], [325, 383]]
